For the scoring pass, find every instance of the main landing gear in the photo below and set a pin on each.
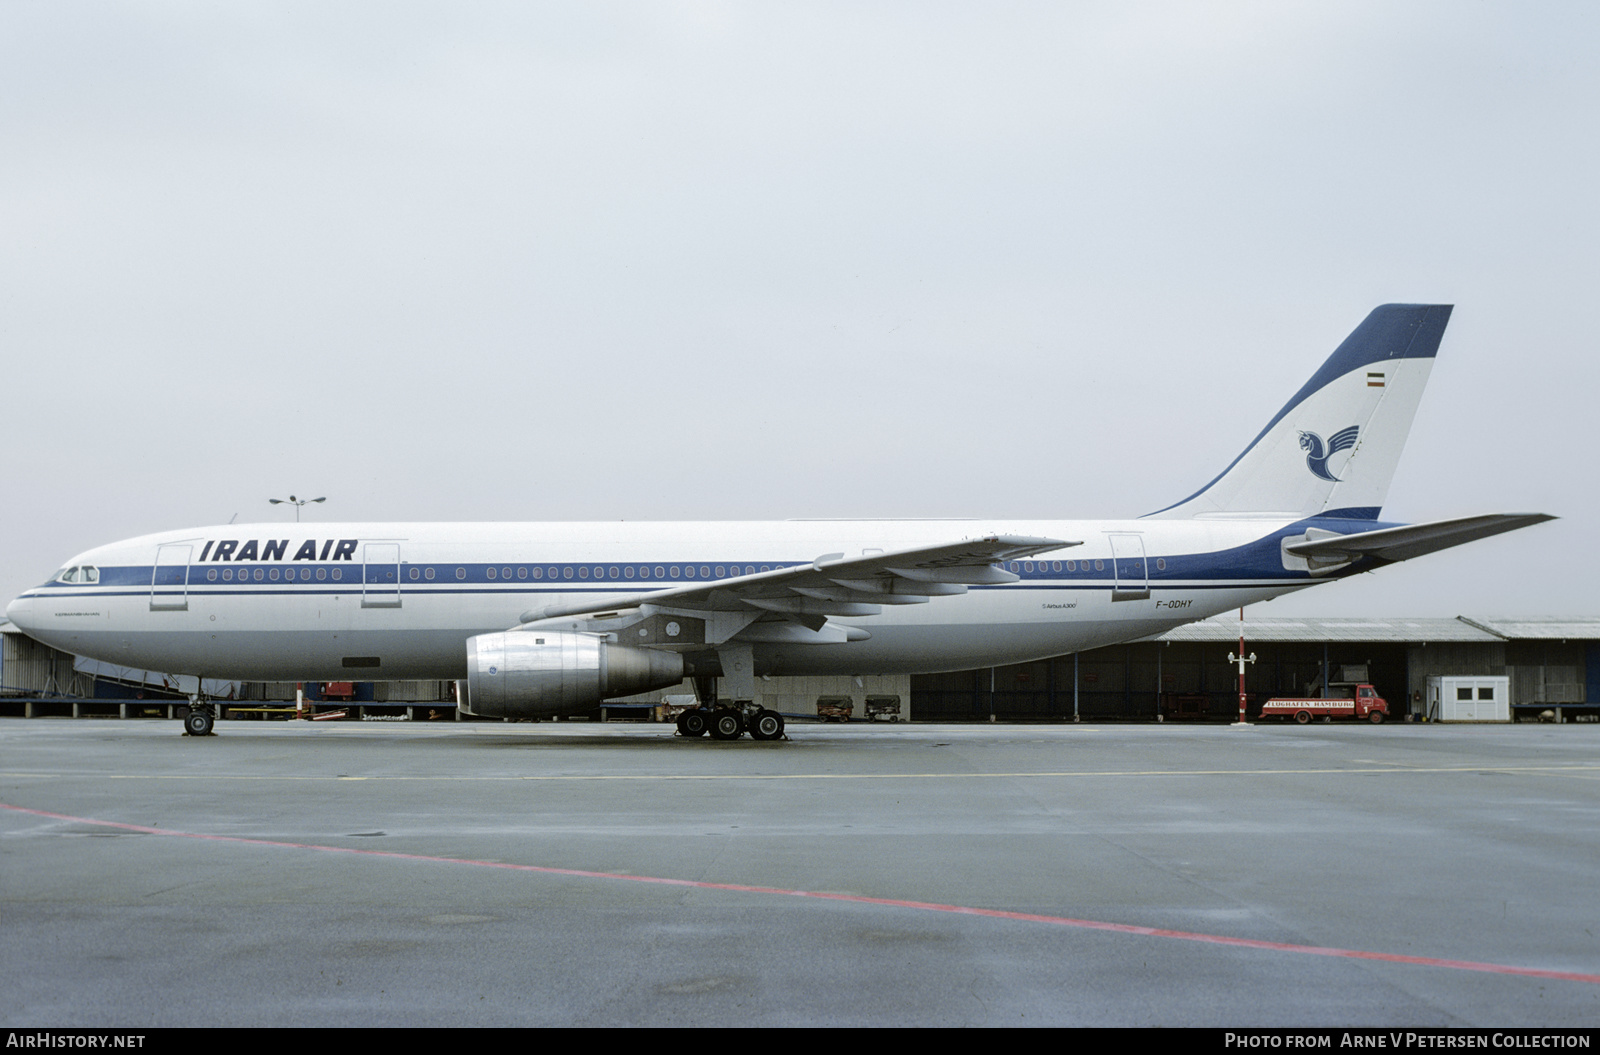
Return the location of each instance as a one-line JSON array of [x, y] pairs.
[[726, 722], [730, 716]]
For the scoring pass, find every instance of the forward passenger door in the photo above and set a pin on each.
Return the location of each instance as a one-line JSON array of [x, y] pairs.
[[169, 578]]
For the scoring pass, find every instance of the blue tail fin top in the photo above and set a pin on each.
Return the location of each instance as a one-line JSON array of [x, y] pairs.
[[1390, 331]]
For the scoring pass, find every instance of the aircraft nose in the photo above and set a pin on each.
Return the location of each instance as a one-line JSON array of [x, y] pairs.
[[19, 612]]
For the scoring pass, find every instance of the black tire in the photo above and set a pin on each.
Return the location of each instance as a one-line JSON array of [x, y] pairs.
[[1375, 717], [693, 723], [198, 722], [768, 726], [726, 724], [1303, 717]]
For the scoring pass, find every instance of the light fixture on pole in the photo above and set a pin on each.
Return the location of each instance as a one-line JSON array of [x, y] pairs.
[[1241, 660], [297, 503]]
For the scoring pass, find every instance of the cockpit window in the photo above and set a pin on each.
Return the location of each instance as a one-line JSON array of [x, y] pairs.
[[80, 574]]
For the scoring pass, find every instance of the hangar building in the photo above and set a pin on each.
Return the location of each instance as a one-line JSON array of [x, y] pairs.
[[1552, 665]]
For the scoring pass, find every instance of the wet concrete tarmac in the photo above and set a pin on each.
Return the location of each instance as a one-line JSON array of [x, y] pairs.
[[577, 874]]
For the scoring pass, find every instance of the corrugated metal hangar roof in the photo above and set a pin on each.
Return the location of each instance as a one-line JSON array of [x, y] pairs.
[[1461, 628], [1543, 628]]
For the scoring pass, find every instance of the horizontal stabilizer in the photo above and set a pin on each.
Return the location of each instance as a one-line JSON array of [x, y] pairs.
[[1412, 540]]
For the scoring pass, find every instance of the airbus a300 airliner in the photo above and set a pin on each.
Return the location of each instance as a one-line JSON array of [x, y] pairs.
[[547, 619]]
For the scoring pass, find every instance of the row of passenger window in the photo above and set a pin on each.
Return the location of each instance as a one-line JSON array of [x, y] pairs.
[[271, 574], [614, 571], [522, 572], [581, 571], [1026, 567]]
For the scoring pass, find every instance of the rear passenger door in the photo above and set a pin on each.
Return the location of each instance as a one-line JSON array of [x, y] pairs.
[[381, 582]]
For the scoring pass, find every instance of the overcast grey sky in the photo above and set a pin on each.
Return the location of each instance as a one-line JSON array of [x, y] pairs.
[[730, 261]]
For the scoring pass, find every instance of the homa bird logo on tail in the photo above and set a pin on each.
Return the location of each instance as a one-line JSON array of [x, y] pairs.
[[1317, 457]]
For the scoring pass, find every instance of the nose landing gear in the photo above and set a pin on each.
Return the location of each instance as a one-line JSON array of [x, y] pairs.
[[199, 720]]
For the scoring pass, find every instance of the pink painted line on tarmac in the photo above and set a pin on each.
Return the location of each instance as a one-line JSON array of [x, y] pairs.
[[924, 906]]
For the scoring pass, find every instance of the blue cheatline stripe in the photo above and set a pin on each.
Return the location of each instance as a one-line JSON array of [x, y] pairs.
[[206, 590], [1256, 562]]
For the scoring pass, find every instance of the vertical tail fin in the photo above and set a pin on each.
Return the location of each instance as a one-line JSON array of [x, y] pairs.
[[1332, 449]]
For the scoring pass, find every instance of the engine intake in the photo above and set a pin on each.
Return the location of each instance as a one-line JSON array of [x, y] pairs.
[[535, 673]]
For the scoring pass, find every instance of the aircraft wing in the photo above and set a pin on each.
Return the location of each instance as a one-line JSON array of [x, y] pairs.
[[1412, 540], [833, 584]]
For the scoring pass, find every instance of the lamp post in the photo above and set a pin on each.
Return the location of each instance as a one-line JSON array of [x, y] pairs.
[[1241, 660], [297, 503]]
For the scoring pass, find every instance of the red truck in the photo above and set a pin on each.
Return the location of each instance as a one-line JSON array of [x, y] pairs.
[[1365, 703]]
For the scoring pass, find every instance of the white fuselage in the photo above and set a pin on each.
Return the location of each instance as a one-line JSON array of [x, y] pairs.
[[299, 602]]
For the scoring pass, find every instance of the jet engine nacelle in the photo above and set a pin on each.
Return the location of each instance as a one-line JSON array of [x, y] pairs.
[[532, 673]]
